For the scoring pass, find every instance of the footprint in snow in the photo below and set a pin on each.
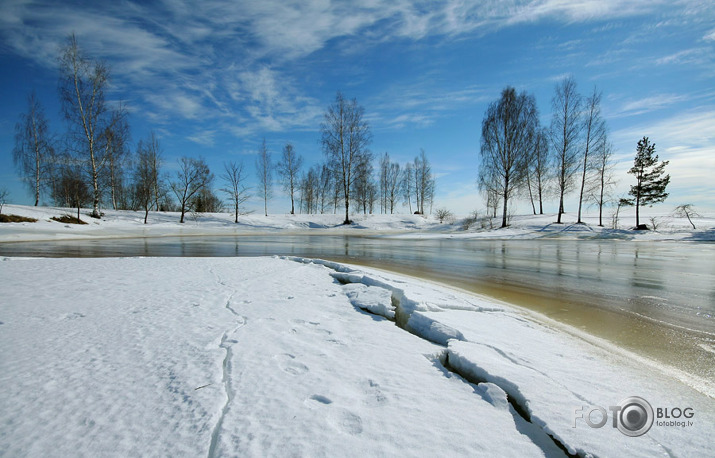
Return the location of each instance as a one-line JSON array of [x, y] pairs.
[[311, 326], [345, 421], [374, 397], [289, 365], [317, 401], [339, 418]]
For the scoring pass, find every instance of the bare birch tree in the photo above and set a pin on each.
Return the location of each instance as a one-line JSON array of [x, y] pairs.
[[146, 173], [33, 152], [365, 191], [565, 133], [603, 179], [4, 193], [288, 168], [407, 185], [310, 190], [382, 181], [508, 132], [82, 85], [594, 130], [234, 179], [193, 175], [389, 183], [345, 137], [489, 186], [327, 184], [540, 166], [70, 189], [264, 170], [424, 181], [117, 153]]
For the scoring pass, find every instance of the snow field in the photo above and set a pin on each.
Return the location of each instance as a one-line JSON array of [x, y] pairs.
[[126, 223], [296, 357], [227, 357]]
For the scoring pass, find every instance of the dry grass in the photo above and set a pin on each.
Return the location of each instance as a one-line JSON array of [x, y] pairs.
[[16, 219], [67, 219]]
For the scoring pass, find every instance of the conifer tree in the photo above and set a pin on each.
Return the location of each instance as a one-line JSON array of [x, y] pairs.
[[650, 182]]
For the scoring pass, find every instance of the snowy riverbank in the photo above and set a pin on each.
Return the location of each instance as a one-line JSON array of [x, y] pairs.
[[124, 223], [279, 357]]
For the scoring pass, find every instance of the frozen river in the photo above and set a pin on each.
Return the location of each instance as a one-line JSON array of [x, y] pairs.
[[654, 298]]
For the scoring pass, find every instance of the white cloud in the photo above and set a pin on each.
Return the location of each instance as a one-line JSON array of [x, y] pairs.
[[685, 139], [407, 119], [227, 62], [632, 107], [582, 10], [205, 138], [684, 131], [678, 57], [421, 104], [177, 103]]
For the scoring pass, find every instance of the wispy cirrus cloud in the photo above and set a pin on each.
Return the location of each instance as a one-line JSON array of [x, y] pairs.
[[205, 137], [634, 107], [689, 132], [580, 10], [694, 55], [228, 62], [420, 105]]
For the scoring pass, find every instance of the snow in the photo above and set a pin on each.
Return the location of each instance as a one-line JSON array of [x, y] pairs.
[[297, 357], [126, 223], [374, 300]]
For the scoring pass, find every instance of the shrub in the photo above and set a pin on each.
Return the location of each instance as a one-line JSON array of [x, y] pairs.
[[67, 219], [442, 214], [16, 219], [469, 221]]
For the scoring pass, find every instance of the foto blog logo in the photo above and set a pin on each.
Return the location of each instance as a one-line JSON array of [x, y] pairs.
[[633, 416]]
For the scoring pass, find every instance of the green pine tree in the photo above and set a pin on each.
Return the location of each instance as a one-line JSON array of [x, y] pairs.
[[650, 182]]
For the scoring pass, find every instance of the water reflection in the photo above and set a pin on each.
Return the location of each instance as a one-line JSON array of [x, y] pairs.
[[605, 274], [646, 274]]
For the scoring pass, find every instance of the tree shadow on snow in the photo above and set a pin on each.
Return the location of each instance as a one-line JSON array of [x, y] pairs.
[[703, 236]]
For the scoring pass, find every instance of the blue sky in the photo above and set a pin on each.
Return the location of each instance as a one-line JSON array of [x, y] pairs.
[[213, 78]]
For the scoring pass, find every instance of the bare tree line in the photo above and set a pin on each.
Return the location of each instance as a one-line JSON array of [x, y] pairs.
[[346, 179], [521, 158], [92, 163]]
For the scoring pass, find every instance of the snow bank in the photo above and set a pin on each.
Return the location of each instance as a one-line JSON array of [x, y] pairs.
[[273, 357], [130, 224], [375, 300]]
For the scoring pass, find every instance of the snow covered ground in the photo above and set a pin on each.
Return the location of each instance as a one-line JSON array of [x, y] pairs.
[[293, 357], [130, 224]]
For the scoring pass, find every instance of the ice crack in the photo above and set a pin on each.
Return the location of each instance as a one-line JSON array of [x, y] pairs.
[[227, 342], [521, 412], [406, 313], [228, 339]]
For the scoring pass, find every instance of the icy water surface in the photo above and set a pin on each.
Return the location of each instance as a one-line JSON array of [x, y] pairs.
[[657, 299]]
